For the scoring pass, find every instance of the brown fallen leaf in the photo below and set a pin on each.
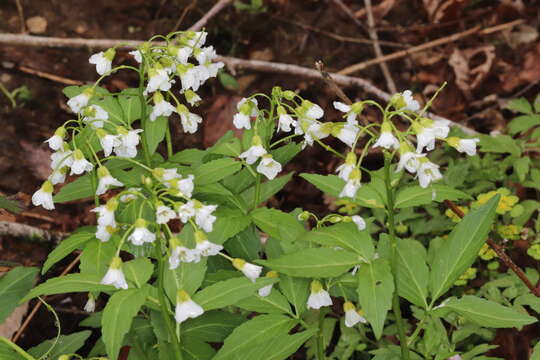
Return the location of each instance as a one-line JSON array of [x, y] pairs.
[[379, 11], [467, 77], [444, 10]]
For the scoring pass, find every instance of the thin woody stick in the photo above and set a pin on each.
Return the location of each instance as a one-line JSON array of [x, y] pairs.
[[500, 253], [220, 5], [447, 39]]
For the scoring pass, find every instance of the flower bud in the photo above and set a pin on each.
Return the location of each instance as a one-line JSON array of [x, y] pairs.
[[289, 95], [303, 216]]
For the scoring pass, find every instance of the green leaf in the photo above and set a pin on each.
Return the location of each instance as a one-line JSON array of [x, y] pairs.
[[154, 132], [536, 352], [277, 224], [112, 106], [196, 350], [212, 326], [459, 251], [279, 347], [216, 170], [520, 105], [523, 123], [246, 244], [231, 147], [314, 262], [68, 283], [66, 344], [13, 286], [76, 240], [228, 224], [488, 313], [229, 292], [296, 290], [415, 195], [413, 272], [131, 105], [286, 153], [499, 144], [343, 235], [96, 257], [375, 290], [10, 205], [275, 303], [252, 333], [138, 271], [267, 189], [118, 315], [521, 166], [188, 156], [227, 80], [190, 277], [79, 189]]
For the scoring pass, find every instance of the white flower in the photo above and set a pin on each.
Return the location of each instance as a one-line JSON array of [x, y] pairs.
[[405, 101], [318, 296], [105, 180], [205, 247], [57, 140], [204, 217], [246, 110], [387, 140], [129, 196], [58, 176], [108, 141], [195, 38], [95, 115], [352, 317], [318, 131], [114, 275], [408, 159], [441, 128], [338, 105], [186, 308], [312, 111], [266, 290], [427, 131], [467, 146], [76, 103], [285, 120], [181, 54], [190, 121], [106, 213], [428, 172], [164, 214], [161, 107], [158, 80], [181, 253], [191, 97], [128, 142], [351, 111], [344, 170], [141, 234], [359, 222], [189, 77], [352, 185], [137, 55], [252, 272], [241, 121], [80, 164], [90, 305], [104, 233], [61, 158], [346, 132], [186, 186], [186, 211], [43, 196], [103, 61], [254, 152], [269, 167]]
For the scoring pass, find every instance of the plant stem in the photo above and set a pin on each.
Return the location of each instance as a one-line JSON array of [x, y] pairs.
[[257, 191], [164, 306], [393, 257], [144, 118], [169, 141], [320, 337]]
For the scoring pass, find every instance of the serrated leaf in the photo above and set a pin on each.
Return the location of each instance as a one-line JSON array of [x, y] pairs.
[[488, 313], [68, 283], [459, 251], [375, 290], [520, 105], [415, 195], [499, 144], [314, 262], [118, 314], [277, 224], [252, 333], [228, 292], [13, 287], [76, 240], [523, 123], [413, 272], [215, 170]]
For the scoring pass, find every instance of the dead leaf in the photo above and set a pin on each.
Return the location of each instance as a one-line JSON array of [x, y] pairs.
[[468, 76], [38, 159], [13, 321], [36, 24], [379, 11], [440, 10], [525, 73]]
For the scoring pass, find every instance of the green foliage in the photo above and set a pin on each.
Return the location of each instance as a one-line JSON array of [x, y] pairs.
[[14, 285]]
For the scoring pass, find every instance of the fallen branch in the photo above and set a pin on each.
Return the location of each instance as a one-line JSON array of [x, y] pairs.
[[231, 62], [220, 5], [447, 39], [8, 228], [500, 253]]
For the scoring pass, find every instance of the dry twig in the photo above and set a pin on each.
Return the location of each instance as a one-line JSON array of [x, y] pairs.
[[506, 260], [377, 48], [447, 39], [52, 77], [220, 5], [8, 228], [183, 15], [349, 13]]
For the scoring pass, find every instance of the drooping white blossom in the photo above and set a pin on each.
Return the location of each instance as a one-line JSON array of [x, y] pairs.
[[467, 146], [95, 116], [115, 275], [43, 196], [186, 308], [269, 167], [247, 108], [359, 222], [387, 139], [80, 164], [141, 234], [251, 271], [428, 172], [318, 297], [266, 290], [344, 170], [352, 185], [78, 102], [352, 317], [103, 61], [190, 121], [254, 152], [57, 140], [161, 107], [106, 180]]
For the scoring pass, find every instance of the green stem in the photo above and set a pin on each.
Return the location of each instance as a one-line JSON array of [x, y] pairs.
[[257, 191], [393, 258], [169, 141], [164, 306], [320, 337], [8, 95], [144, 118]]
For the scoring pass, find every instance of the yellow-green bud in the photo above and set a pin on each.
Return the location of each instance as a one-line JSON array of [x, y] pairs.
[[158, 172], [88, 92], [112, 204], [386, 127], [272, 274], [200, 236], [101, 133], [239, 263], [426, 122], [357, 107], [78, 154], [281, 110], [109, 54], [102, 172], [182, 296], [64, 357], [334, 219], [182, 109], [347, 306], [140, 223], [256, 140], [289, 95], [355, 174], [453, 141], [116, 263], [303, 216], [158, 97], [61, 131], [316, 286], [122, 130], [47, 187], [350, 159]]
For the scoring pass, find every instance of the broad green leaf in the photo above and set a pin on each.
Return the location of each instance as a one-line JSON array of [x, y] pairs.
[[216, 170], [188, 156], [66, 344], [246, 244], [277, 224], [279, 347], [375, 290], [212, 326], [523, 123], [96, 257], [118, 314], [13, 287], [68, 283], [267, 189], [343, 235], [79, 189], [296, 290], [231, 147], [7, 352], [413, 272], [111, 105], [315, 262], [229, 223], [229, 292], [536, 352], [252, 333], [520, 105], [459, 251], [154, 132], [190, 277], [416, 195], [131, 105], [76, 240], [286, 153], [521, 167], [138, 271], [10, 205], [499, 144], [227, 80], [275, 303], [487, 313], [196, 350]]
